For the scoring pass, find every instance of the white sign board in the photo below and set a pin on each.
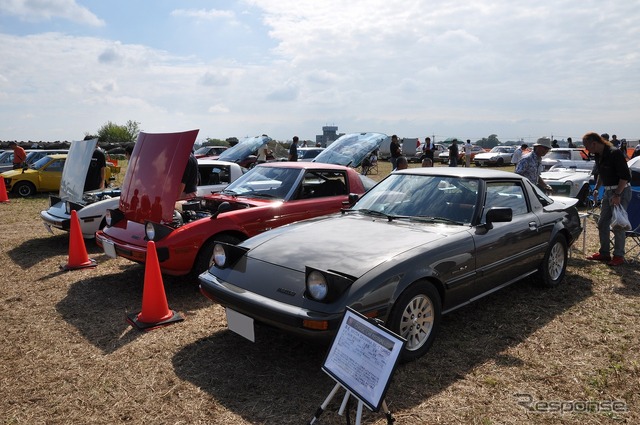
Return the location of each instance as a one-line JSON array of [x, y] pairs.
[[362, 358]]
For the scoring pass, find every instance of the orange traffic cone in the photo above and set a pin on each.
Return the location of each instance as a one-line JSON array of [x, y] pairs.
[[3, 191], [155, 310], [78, 258]]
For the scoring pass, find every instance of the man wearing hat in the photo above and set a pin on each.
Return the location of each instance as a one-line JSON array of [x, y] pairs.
[[517, 154], [19, 156], [530, 165]]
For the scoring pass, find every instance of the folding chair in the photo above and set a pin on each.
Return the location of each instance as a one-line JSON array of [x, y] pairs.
[[632, 241]]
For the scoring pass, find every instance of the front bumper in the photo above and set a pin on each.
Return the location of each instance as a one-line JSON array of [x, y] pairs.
[[265, 310]]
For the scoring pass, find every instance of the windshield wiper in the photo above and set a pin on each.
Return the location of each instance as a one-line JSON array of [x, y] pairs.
[[435, 219], [229, 192], [371, 212]]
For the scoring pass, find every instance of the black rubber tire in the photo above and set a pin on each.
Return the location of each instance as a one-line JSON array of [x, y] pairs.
[[500, 162], [416, 316], [554, 265], [204, 260], [24, 189]]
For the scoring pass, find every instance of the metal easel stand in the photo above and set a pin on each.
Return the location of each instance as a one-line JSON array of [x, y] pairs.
[[343, 406]]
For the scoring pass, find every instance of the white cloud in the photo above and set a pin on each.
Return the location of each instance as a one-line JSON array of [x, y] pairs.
[[204, 14], [44, 10]]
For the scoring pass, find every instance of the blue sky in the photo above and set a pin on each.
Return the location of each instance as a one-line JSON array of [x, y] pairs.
[[517, 69]]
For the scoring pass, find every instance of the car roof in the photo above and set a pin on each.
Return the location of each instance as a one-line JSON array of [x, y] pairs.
[[483, 173], [302, 164]]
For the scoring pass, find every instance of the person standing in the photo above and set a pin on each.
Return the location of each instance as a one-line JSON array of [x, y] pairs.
[[467, 153], [293, 149], [517, 154], [614, 141], [395, 150], [614, 175], [570, 142], [97, 172], [263, 152], [453, 153], [189, 181], [19, 156], [530, 165], [427, 149]]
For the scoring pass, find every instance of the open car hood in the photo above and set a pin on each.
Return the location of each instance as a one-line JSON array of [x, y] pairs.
[[151, 184], [75, 169], [350, 149], [243, 149]]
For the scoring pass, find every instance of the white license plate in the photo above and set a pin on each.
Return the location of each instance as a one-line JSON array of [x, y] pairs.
[[241, 324], [109, 249], [48, 227]]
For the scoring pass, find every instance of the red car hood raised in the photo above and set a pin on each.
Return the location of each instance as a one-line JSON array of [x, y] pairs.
[[151, 184]]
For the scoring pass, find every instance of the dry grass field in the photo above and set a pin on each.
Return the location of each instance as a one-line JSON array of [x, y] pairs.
[[569, 355]]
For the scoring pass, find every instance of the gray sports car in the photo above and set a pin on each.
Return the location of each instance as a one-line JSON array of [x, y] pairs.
[[421, 243]]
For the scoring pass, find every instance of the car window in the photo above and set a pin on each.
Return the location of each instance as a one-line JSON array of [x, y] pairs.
[[317, 183], [56, 165], [423, 196], [506, 195], [266, 182]]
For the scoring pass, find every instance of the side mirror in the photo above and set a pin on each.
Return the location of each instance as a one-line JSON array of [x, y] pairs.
[[353, 198], [223, 207], [499, 215]]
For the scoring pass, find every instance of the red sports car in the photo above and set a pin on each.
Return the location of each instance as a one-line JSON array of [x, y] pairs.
[[268, 196]]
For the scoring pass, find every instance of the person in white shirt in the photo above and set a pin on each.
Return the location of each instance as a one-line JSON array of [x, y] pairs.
[[467, 153], [517, 154]]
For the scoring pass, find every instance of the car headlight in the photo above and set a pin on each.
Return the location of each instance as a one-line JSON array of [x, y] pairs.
[[326, 286], [107, 218], [150, 231], [227, 255], [111, 217], [317, 286]]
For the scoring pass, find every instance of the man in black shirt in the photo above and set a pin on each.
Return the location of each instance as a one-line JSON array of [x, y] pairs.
[[614, 176], [189, 182], [96, 174], [395, 150]]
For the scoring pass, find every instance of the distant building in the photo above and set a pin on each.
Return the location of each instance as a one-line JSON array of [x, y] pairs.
[[329, 134]]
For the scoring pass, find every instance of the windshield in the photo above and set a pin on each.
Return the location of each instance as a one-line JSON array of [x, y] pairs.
[[502, 149], [243, 149], [424, 197], [558, 155], [350, 149], [266, 182], [40, 163]]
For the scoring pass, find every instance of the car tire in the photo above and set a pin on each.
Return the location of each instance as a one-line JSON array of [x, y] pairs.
[[204, 260], [500, 162], [24, 189], [554, 265], [416, 317]]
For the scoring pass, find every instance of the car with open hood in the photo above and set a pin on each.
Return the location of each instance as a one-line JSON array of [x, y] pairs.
[[245, 152], [91, 207], [421, 243], [267, 196]]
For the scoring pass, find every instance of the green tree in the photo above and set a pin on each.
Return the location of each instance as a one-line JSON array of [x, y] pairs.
[[489, 142], [112, 133]]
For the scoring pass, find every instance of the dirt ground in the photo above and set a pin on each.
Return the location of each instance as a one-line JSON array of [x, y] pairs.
[[568, 355]]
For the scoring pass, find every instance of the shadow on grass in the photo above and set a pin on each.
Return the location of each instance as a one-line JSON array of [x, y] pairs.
[[279, 370], [98, 306]]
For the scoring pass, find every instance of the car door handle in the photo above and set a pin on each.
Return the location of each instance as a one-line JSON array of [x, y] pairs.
[[533, 225]]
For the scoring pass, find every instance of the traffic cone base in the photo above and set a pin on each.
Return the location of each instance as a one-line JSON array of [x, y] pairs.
[[78, 257], [155, 310], [3, 191], [134, 320]]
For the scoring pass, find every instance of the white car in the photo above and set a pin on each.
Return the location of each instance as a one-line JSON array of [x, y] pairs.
[[569, 157], [498, 156], [91, 207], [570, 182]]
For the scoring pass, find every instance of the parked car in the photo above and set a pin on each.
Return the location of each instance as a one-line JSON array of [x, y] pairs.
[[569, 156], [475, 149], [267, 196], [212, 151], [572, 182], [497, 156], [438, 149], [244, 153], [308, 153], [45, 175], [35, 154], [423, 242], [91, 207]]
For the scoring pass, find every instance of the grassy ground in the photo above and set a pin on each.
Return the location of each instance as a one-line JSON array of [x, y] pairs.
[[68, 356]]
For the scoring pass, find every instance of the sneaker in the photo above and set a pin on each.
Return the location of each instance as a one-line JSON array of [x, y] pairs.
[[599, 257], [616, 261]]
